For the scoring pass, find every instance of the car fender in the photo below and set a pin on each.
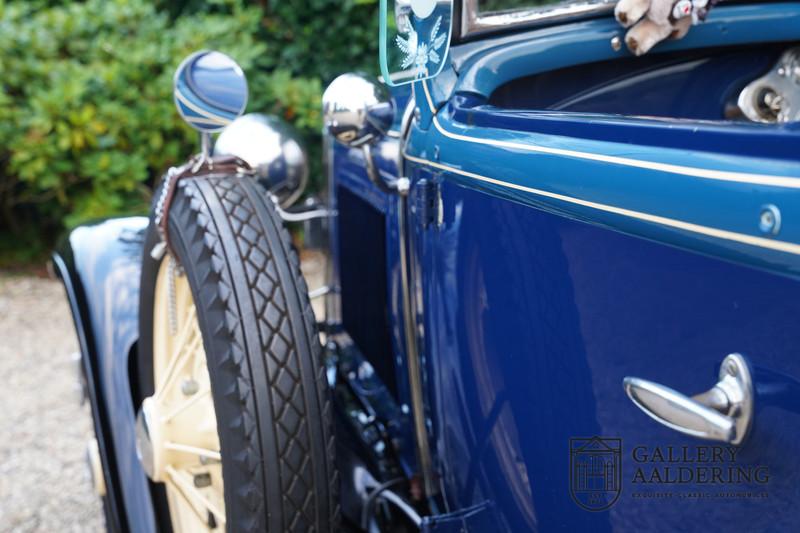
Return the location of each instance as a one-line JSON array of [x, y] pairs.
[[100, 265]]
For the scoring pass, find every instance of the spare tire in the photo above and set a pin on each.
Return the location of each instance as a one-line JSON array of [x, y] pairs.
[[265, 370]]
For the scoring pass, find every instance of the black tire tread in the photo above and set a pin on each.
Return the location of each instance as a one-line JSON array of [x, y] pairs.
[[277, 406]]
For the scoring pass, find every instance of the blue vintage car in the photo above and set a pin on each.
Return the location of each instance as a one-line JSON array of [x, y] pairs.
[[562, 289]]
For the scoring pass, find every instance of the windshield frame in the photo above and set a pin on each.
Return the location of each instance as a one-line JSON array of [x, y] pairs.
[[473, 22]]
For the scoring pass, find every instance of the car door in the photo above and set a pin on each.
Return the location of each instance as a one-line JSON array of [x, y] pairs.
[[581, 216]]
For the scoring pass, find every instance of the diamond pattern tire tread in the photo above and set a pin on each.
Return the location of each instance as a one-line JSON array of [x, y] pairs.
[[273, 406]]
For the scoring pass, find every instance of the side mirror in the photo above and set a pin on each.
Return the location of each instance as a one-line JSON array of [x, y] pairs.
[[356, 110], [210, 91]]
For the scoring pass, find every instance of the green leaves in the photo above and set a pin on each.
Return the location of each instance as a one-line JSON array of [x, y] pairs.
[[86, 112], [87, 121], [73, 106], [325, 38]]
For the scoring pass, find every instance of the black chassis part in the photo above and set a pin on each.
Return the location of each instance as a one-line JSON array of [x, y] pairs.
[[371, 429]]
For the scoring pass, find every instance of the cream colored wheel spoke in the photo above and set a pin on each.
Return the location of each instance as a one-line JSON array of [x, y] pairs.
[[181, 339], [194, 450], [183, 355], [191, 493], [197, 397], [176, 426]]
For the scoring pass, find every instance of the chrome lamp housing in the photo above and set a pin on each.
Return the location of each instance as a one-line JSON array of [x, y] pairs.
[[273, 150], [357, 110]]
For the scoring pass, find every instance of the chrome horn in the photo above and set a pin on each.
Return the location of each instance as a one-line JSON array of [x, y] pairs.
[[273, 150]]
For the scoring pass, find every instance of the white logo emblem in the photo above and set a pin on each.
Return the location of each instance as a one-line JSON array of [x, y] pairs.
[[423, 8]]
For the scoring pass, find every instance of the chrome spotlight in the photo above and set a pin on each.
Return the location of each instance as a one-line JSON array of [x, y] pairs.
[[356, 109], [273, 149], [357, 113]]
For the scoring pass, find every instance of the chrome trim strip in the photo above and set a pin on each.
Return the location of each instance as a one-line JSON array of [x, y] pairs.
[[473, 22], [761, 242], [704, 173], [415, 380]]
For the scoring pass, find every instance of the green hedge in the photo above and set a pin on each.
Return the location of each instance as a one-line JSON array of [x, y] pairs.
[[86, 115]]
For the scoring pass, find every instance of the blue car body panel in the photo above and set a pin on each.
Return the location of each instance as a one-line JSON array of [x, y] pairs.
[[574, 249], [754, 140], [696, 199], [533, 319], [103, 263]]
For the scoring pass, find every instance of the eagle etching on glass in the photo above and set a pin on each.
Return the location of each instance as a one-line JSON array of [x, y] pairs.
[[419, 54]]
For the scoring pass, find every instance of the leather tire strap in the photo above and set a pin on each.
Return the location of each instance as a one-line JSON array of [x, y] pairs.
[[222, 165]]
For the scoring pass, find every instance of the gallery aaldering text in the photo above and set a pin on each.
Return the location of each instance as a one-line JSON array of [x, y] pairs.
[[694, 464]]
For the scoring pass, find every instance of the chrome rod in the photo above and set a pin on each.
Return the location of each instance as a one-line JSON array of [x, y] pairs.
[[319, 292], [389, 187], [205, 145], [412, 352], [333, 305], [302, 216], [356, 114], [401, 504]]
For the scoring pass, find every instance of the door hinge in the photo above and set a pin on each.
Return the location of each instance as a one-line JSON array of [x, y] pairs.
[[426, 202]]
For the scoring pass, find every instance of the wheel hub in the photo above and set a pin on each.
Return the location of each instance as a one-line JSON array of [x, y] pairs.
[[149, 445]]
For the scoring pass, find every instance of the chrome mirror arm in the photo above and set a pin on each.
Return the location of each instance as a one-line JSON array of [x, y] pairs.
[[205, 145], [389, 187]]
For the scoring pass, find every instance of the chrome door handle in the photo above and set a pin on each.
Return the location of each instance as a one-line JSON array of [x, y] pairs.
[[723, 413]]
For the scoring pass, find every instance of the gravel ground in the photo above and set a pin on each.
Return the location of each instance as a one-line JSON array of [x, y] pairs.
[[44, 483]]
